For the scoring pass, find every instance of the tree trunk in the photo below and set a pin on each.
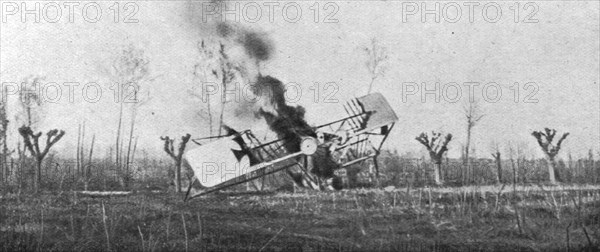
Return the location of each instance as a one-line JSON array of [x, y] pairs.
[[3, 129], [124, 173], [437, 175], [178, 176], [514, 170], [590, 168], [131, 130], [38, 176], [498, 169], [88, 167], [2, 170], [20, 167], [6, 156], [376, 177], [467, 159], [80, 159], [371, 84], [77, 153], [552, 170], [117, 153]]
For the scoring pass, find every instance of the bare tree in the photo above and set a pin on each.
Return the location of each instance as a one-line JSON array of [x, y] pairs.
[[377, 56], [31, 141], [129, 157], [217, 67], [498, 160], [208, 63], [3, 138], [80, 149], [88, 166], [511, 153], [591, 164], [177, 157], [436, 146], [128, 70], [227, 72], [83, 167], [473, 115], [544, 139]]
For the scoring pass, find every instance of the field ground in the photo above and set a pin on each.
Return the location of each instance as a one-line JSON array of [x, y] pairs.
[[523, 218]]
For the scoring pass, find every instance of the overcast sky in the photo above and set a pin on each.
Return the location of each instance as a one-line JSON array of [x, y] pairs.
[[556, 52]]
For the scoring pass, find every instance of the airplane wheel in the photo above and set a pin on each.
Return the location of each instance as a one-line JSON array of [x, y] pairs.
[[309, 145]]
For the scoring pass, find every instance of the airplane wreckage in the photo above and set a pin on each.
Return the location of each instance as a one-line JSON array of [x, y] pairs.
[[310, 155]]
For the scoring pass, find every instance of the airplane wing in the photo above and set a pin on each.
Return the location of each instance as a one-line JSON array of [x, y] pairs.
[[218, 161], [239, 158]]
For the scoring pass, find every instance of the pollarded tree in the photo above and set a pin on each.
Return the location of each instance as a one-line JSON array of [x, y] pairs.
[[31, 141], [30, 112], [177, 157], [495, 147], [436, 146], [544, 139]]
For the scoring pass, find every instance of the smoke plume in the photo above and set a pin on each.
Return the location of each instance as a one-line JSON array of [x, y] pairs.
[[286, 121], [257, 45]]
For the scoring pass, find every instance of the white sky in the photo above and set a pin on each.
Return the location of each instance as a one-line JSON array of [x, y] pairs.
[[559, 53]]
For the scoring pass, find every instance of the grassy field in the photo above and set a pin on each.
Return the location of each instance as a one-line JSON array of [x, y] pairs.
[[525, 218]]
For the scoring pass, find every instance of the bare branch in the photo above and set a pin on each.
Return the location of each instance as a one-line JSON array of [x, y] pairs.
[[424, 140], [168, 146], [377, 55], [544, 140]]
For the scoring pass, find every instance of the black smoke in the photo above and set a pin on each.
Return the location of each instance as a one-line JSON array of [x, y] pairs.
[[289, 124], [257, 45], [285, 120]]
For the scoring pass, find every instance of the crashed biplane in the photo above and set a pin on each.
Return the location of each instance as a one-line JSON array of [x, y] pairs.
[[239, 157]]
